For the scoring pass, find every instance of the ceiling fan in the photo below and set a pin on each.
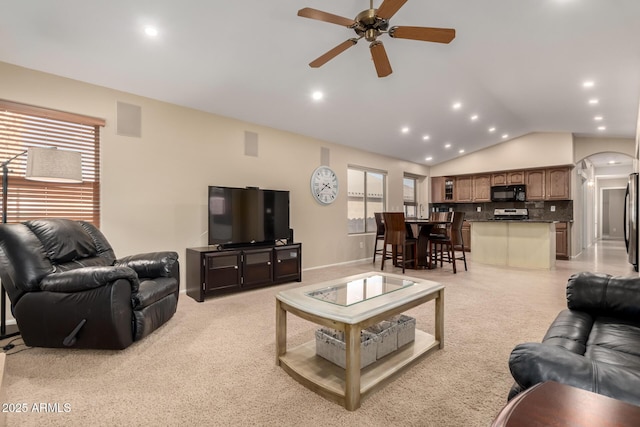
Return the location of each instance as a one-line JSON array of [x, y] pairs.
[[371, 23]]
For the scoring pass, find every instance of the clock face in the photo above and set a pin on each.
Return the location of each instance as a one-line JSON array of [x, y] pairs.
[[324, 185]]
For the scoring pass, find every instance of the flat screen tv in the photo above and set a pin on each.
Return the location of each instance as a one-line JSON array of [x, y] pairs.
[[247, 216]]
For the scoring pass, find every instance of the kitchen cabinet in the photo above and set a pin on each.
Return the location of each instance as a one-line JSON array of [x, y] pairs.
[[442, 189], [562, 240], [464, 189], [535, 182], [558, 184], [481, 188], [507, 178]]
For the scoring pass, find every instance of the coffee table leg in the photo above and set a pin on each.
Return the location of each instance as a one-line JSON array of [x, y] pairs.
[[281, 331], [440, 318], [352, 371]]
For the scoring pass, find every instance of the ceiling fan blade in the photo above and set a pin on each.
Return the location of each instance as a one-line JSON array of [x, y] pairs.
[[388, 8], [380, 59], [438, 35], [308, 12], [323, 59]]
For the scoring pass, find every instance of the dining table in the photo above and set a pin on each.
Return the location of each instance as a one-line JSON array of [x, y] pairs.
[[424, 227]]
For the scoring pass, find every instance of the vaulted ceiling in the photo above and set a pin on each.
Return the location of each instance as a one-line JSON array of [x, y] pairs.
[[519, 66]]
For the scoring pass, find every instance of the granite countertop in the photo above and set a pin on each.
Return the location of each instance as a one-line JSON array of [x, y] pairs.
[[548, 221]]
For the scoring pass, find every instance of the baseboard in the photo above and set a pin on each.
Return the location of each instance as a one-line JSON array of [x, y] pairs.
[[357, 261]]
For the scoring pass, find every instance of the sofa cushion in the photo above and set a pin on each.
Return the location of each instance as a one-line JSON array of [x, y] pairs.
[[615, 341], [63, 240], [570, 330]]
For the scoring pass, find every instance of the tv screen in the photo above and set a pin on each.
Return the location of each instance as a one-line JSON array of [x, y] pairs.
[[247, 216]]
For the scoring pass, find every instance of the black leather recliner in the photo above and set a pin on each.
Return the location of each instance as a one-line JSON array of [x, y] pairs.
[[67, 289], [593, 345]]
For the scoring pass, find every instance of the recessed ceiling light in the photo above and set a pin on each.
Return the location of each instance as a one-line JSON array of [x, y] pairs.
[[428, 159], [474, 117], [588, 83], [593, 101], [447, 145], [602, 128], [505, 136], [426, 138], [613, 162], [493, 129], [461, 151], [151, 31], [597, 118], [317, 95], [405, 129], [457, 106]]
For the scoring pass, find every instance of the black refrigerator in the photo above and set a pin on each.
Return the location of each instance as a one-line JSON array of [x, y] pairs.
[[631, 220]]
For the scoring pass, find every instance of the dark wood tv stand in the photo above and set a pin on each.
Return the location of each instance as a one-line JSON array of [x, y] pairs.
[[215, 271]]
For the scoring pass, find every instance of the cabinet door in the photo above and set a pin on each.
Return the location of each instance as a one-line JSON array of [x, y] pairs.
[[534, 180], [257, 267], [288, 263], [464, 189], [562, 240], [437, 189], [558, 184], [515, 177], [499, 178], [222, 271], [482, 188]]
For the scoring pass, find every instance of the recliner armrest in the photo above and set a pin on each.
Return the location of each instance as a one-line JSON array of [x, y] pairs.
[[533, 363], [150, 265], [82, 279]]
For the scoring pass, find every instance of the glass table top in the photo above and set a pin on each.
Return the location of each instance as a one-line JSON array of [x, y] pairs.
[[355, 291]]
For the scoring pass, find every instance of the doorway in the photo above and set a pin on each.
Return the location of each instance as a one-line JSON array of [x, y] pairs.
[[612, 213]]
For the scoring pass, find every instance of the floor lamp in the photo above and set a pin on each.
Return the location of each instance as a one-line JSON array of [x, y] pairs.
[[43, 164]]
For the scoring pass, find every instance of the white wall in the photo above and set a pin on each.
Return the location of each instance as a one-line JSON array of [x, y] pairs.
[[154, 188]]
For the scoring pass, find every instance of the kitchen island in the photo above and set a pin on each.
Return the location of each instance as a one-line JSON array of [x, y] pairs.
[[514, 243]]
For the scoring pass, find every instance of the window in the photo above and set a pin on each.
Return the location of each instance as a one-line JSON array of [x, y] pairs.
[[410, 197], [366, 192], [23, 126]]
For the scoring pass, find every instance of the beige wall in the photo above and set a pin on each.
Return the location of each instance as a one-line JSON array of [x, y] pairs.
[[529, 151], [154, 188], [584, 147]]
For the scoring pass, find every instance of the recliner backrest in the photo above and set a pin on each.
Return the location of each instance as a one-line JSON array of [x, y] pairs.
[[37, 248]]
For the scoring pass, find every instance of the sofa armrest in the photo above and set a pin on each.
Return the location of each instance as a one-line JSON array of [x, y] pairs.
[[533, 363], [603, 294], [150, 265], [82, 279]]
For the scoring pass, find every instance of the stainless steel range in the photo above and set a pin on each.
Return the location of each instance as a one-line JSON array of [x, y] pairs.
[[510, 214]]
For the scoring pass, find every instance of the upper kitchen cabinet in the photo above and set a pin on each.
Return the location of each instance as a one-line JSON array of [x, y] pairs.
[[442, 189], [535, 182], [507, 178], [464, 189], [482, 188], [558, 184]]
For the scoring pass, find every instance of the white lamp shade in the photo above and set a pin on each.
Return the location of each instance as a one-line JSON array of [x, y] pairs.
[[53, 165]]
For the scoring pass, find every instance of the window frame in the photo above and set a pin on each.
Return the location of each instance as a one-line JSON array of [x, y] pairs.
[[23, 126], [414, 203], [365, 198]]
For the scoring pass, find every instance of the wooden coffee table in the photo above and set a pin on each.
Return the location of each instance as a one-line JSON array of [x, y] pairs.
[[335, 305], [551, 404]]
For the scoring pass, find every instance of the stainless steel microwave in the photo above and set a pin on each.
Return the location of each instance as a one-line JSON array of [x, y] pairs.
[[508, 193]]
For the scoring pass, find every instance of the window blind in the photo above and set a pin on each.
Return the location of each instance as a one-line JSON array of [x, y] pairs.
[[23, 126]]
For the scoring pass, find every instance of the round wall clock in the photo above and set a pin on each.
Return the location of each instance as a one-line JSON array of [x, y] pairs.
[[324, 185]]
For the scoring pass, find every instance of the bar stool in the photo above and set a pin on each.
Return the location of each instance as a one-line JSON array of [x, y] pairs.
[[396, 235]]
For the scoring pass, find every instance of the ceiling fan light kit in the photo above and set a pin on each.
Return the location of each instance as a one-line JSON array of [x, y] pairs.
[[370, 24]]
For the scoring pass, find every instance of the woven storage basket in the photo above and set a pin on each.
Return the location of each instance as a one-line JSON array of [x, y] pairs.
[[387, 333], [331, 346], [406, 329]]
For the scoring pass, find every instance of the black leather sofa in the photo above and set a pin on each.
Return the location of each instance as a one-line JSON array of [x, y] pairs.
[[68, 289], [593, 345]]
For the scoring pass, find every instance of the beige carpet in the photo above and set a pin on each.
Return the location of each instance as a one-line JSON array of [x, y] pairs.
[[213, 364]]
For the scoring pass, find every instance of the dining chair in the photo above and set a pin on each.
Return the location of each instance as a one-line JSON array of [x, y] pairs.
[[451, 238], [397, 236], [379, 235]]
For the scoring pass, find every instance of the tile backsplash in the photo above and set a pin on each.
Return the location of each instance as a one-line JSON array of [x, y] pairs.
[[539, 210]]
